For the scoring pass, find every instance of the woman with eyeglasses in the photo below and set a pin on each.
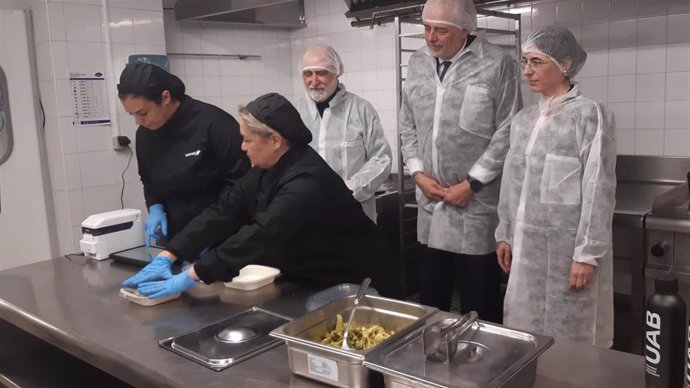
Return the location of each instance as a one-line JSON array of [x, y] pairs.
[[557, 200]]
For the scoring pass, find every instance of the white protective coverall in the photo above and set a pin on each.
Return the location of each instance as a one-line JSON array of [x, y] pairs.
[[556, 206], [458, 127], [350, 139]]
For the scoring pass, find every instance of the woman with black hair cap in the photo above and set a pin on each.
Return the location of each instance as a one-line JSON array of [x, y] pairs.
[[188, 151], [290, 211]]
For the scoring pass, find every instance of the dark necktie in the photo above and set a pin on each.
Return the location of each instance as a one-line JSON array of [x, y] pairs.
[[442, 68]]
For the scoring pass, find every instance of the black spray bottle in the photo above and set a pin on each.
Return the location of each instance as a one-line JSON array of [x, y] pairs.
[[665, 334], [687, 361]]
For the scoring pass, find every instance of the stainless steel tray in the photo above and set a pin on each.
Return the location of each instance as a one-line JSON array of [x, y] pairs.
[[344, 368], [492, 356], [227, 342]]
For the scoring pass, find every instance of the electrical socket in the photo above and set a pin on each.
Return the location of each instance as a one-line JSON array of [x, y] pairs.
[[121, 142]]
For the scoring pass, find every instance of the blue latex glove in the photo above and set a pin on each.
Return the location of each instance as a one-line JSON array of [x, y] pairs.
[[155, 220], [159, 268], [176, 284]]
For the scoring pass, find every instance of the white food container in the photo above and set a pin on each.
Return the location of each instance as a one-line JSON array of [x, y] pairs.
[[253, 276], [134, 296]]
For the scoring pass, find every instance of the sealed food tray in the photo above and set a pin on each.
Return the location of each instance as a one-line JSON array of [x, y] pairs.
[[488, 356], [133, 295], [344, 368]]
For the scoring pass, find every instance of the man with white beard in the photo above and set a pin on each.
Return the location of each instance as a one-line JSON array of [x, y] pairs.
[[346, 129]]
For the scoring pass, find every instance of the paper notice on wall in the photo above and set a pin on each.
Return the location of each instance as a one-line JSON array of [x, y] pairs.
[[90, 98]]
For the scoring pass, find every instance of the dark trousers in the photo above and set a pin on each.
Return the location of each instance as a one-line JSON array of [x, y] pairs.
[[480, 282]]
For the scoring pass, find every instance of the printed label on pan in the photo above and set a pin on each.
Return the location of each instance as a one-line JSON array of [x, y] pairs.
[[323, 367]]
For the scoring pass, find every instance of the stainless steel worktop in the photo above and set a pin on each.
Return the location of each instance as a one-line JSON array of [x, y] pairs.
[[74, 305]]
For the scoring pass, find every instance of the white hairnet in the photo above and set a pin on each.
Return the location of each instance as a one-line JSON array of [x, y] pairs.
[[458, 13], [322, 57], [557, 43]]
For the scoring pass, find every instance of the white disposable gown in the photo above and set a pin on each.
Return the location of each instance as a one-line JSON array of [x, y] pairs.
[[556, 207], [458, 127], [350, 138]]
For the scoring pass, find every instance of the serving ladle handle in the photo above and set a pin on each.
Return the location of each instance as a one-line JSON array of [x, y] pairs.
[[355, 303]]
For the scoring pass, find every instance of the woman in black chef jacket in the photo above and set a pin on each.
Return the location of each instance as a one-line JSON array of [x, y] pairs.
[[187, 150], [290, 211]]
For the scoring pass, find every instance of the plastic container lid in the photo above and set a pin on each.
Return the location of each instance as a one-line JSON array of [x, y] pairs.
[[253, 276], [334, 293]]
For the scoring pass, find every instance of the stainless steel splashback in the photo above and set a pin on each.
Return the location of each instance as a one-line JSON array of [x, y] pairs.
[[641, 179]]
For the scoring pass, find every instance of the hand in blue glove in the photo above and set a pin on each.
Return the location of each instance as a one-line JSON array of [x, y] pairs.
[[159, 268], [155, 220], [176, 284]]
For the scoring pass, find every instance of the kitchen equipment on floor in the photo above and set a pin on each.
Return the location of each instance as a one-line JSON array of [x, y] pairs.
[[310, 358], [355, 303], [498, 357], [105, 233], [640, 180], [232, 340], [667, 231]]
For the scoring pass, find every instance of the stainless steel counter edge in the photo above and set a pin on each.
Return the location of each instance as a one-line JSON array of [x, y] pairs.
[[76, 307], [94, 354]]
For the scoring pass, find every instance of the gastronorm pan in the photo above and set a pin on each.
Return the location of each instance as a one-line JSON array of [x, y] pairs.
[[488, 356], [335, 366]]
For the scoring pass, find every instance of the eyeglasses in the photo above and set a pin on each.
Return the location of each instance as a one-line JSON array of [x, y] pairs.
[[532, 63]]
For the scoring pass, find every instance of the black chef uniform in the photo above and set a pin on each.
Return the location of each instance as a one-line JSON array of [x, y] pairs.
[[186, 163], [298, 216]]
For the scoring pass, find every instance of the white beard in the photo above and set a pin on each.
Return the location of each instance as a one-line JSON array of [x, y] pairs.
[[322, 94]]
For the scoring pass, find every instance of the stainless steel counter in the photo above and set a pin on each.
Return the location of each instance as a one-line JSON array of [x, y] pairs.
[[74, 305]]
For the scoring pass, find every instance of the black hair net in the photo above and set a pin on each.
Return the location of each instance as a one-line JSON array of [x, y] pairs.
[[276, 111], [147, 79]]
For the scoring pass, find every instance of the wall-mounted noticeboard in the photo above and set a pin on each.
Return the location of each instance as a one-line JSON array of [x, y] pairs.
[[90, 98]]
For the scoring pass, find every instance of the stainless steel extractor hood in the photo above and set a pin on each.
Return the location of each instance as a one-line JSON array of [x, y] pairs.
[[273, 13], [371, 9]]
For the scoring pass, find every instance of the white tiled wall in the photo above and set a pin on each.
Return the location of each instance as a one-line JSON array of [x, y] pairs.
[[85, 171], [368, 56], [638, 64], [225, 81]]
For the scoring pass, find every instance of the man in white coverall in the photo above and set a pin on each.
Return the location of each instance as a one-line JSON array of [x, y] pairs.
[[347, 131], [459, 97]]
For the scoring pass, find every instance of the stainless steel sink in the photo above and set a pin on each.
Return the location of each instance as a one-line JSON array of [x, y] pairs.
[[229, 341], [492, 356]]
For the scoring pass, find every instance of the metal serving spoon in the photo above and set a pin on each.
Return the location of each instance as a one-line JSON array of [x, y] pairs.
[[355, 303]]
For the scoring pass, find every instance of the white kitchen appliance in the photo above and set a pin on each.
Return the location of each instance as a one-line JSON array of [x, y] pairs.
[[105, 233]]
